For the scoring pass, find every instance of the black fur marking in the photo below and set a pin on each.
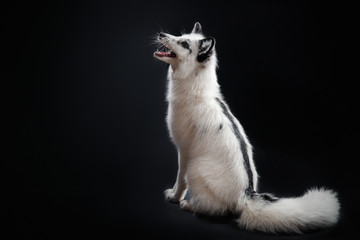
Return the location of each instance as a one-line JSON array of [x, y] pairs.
[[250, 190], [204, 57], [220, 126], [205, 52], [185, 45], [268, 197]]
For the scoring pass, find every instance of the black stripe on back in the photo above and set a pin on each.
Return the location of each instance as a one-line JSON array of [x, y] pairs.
[[250, 190]]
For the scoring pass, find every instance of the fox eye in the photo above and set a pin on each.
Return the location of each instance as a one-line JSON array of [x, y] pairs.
[[185, 45]]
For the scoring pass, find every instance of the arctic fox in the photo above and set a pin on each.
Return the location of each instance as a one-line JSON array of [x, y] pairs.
[[214, 155]]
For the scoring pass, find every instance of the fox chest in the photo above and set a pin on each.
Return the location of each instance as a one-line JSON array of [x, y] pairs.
[[182, 123]]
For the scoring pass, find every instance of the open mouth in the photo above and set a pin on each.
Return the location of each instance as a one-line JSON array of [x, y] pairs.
[[168, 53]]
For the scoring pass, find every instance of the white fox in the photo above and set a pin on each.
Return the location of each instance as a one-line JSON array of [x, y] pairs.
[[214, 155]]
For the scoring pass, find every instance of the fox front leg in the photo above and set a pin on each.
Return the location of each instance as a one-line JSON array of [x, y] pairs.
[[178, 192]]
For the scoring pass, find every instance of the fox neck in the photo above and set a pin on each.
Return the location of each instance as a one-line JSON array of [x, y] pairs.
[[199, 83]]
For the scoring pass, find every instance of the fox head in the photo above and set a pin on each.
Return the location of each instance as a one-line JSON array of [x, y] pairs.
[[189, 51]]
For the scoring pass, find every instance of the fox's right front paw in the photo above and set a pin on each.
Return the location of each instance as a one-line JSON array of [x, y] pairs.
[[170, 196]]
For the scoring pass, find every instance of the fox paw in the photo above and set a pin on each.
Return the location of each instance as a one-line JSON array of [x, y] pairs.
[[186, 206], [170, 196]]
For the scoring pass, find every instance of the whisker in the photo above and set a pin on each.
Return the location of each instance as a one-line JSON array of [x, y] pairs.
[[182, 30]]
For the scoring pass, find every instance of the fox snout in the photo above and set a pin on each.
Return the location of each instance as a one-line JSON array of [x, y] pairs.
[[162, 35], [164, 38]]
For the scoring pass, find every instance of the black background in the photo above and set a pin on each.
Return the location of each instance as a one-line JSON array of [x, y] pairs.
[[88, 154]]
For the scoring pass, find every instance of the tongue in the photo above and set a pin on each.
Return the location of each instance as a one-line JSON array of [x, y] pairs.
[[165, 54]]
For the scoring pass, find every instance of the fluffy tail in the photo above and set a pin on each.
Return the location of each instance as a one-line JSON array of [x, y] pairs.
[[317, 208]]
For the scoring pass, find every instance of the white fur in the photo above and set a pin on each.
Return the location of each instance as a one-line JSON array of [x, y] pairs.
[[211, 163]]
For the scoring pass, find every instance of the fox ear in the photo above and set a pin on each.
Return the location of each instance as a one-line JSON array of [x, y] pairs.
[[206, 49], [197, 28]]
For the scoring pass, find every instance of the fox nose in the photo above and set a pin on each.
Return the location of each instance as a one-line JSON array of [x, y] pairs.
[[162, 35]]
